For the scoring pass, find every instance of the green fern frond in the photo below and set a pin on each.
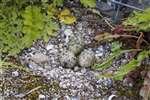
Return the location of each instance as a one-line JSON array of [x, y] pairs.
[[141, 20], [88, 3]]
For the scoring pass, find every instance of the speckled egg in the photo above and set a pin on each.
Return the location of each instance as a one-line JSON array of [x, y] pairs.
[[76, 45], [68, 59], [86, 58]]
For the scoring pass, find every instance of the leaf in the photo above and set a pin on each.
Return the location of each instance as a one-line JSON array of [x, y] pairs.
[[106, 75], [65, 12], [102, 37], [52, 11], [58, 2], [46, 38], [125, 69], [66, 17], [21, 23], [145, 90], [116, 52], [88, 3], [33, 25], [116, 46], [107, 63], [142, 55], [131, 65], [141, 20]]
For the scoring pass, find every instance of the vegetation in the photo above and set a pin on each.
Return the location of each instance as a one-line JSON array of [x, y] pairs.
[[134, 63], [88, 3], [24, 21], [21, 23], [4, 65], [116, 52], [140, 20], [126, 68]]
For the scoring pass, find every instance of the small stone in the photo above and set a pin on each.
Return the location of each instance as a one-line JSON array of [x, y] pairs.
[[68, 59], [76, 68], [67, 97], [74, 98], [42, 97], [83, 70], [62, 85], [39, 58], [86, 58], [15, 74], [49, 47]]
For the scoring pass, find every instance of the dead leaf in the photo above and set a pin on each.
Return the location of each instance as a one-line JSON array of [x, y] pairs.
[[140, 40], [102, 36], [66, 17], [145, 90]]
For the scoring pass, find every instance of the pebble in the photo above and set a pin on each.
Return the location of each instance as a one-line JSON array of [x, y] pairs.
[[41, 97], [49, 47], [15, 74], [39, 58]]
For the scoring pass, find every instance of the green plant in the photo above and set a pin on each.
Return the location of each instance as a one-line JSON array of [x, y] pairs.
[[124, 69], [88, 3], [21, 23], [10, 28], [141, 20], [33, 25], [116, 52], [24, 21], [58, 2], [4, 65], [131, 65]]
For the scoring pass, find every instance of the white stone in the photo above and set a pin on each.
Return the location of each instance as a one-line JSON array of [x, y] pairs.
[[39, 58], [49, 47], [15, 74], [41, 96]]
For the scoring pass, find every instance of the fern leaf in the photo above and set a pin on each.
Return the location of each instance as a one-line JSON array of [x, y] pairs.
[[88, 3], [141, 20]]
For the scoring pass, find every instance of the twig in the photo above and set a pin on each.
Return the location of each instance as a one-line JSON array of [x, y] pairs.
[[27, 93], [140, 40], [33, 90], [108, 23], [99, 14]]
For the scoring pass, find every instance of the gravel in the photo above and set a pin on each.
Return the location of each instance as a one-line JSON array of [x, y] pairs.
[[67, 59]]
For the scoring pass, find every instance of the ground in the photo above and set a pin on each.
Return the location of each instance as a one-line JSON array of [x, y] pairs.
[[55, 72]]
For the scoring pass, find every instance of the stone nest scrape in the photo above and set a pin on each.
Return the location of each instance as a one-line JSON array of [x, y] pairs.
[[47, 60]]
